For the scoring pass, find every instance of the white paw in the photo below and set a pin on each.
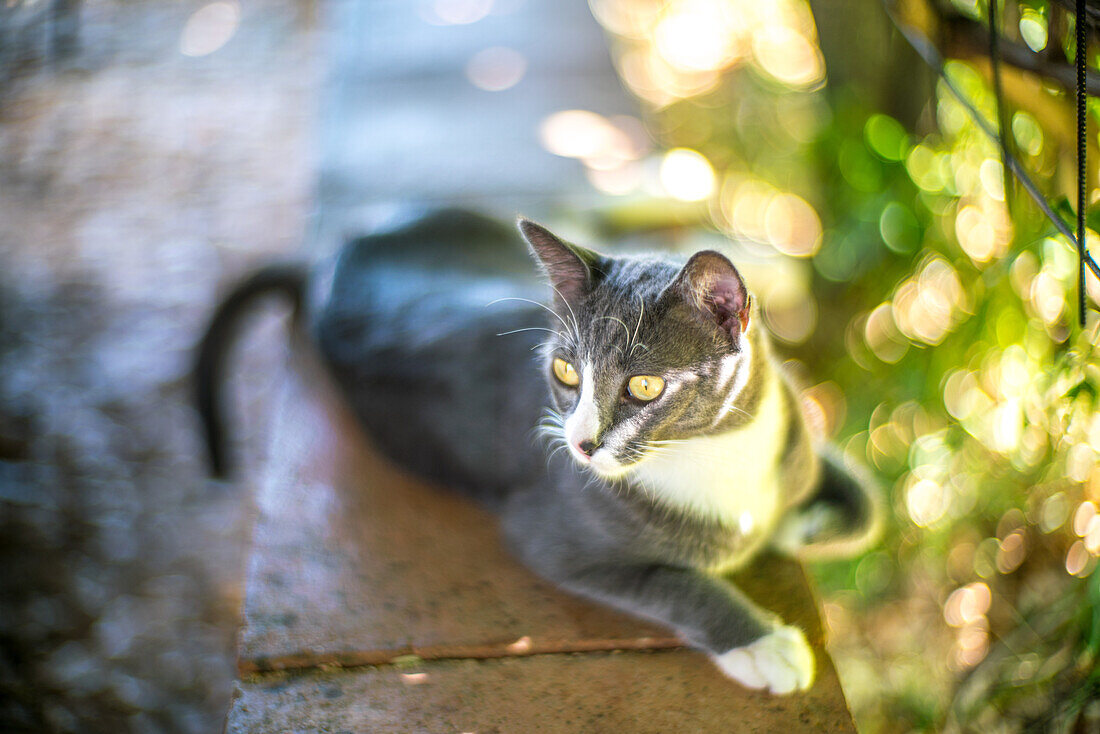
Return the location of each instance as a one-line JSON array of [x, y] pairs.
[[780, 661]]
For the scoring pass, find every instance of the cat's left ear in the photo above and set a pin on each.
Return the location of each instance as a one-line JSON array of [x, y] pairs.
[[572, 270], [711, 285]]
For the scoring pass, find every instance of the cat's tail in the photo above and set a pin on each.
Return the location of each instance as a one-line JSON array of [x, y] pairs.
[[841, 518], [287, 280]]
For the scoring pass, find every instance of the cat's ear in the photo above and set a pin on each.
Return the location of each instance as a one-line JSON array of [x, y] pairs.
[[571, 269], [712, 287]]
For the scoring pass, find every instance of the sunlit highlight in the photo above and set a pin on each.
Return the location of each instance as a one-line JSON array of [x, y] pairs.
[[700, 35], [1092, 536], [1033, 29], [967, 605], [1012, 552], [586, 135], [687, 175], [882, 335], [926, 502], [674, 49], [927, 306], [754, 209], [210, 27], [1083, 517], [496, 69], [1079, 562], [788, 56], [965, 609]]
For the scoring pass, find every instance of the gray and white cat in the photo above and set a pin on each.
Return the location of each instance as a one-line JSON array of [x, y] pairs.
[[676, 448]]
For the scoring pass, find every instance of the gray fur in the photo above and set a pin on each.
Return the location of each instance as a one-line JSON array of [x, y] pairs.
[[411, 332]]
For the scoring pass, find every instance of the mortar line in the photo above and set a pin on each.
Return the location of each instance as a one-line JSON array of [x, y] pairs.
[[306, 661]]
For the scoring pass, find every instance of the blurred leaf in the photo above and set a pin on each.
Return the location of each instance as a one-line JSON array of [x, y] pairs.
[[1084, 387]]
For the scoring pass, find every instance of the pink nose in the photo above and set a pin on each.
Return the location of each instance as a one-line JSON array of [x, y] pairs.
[[587, 447]]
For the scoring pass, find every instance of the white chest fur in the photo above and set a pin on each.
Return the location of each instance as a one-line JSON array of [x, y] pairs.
[[731, 477]]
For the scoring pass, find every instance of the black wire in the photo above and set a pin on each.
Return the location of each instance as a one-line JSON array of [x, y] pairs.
[[1082, 158], [998, 93]]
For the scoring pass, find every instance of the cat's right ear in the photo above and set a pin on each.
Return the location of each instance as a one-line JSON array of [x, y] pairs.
[[571, 269], [712, 287]]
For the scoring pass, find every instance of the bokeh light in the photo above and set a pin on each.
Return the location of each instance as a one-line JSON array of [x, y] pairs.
[[788, 56], [588, 136], [700, 35], [496, 69], [210, 27], [687, 175]]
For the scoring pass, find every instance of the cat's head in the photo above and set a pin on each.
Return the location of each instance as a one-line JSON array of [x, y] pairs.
[[645, 352]]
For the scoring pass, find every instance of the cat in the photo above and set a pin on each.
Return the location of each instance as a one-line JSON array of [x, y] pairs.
[[674, 450]]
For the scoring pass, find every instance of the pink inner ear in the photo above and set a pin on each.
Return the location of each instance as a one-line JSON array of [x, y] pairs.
[[728, 301]]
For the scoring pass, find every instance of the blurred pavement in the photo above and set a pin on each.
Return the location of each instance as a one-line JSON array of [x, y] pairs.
[[134, 180]]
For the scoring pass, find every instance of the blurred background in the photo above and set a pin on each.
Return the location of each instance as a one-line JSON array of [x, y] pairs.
[[152, 152]]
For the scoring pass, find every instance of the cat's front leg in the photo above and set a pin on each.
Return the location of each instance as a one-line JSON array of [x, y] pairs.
[[747, 643]]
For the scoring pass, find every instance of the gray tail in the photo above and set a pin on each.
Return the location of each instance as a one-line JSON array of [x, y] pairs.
[[842, 517], [286, 280]]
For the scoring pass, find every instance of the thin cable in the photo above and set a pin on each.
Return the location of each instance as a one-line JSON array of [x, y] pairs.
[[1082, 158], [998, 94]]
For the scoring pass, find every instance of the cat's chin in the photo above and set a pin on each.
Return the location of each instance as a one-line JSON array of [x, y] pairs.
[[606, 466]]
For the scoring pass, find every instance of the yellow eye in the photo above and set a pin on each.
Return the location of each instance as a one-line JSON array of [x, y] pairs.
[[645, 387], [566, 372]]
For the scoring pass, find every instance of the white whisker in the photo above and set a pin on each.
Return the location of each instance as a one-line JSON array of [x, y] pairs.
[[637, 326], [529, 328], [557, 450], [618, 321], [735, 409], [555, 314], [572, 315]]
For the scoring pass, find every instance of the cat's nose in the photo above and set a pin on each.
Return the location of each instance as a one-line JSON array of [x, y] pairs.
[[588, 447]]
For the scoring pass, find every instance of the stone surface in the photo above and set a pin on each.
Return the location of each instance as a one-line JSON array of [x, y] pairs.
[[134, 181], [639, 693], [357, 565]]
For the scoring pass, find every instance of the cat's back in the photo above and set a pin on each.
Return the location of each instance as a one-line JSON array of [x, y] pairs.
[[424, 275], [426, 328]]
